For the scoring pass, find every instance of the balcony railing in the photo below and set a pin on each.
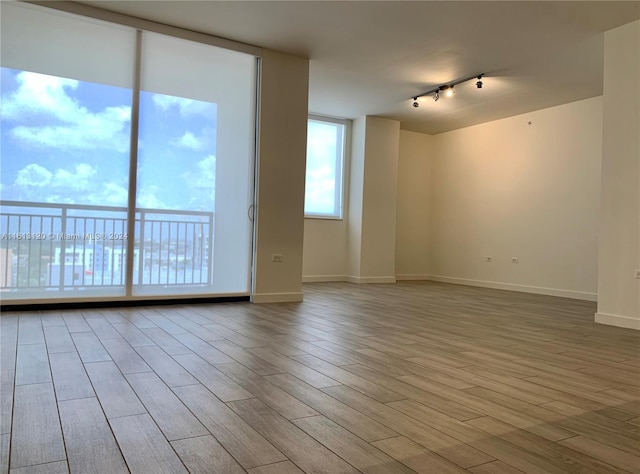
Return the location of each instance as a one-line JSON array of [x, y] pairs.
[[68, 246]]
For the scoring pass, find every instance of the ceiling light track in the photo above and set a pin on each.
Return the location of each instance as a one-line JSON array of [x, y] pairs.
[[448, 89]]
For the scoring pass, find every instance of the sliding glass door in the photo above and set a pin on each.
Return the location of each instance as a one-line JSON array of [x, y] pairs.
[[118, 183]]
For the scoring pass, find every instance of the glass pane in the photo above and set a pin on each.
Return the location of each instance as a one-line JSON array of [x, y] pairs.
[[65, 134], [64, 159], [323, 189], [194, 169]]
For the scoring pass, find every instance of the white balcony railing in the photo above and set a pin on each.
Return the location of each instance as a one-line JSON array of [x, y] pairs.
[[68, 246]]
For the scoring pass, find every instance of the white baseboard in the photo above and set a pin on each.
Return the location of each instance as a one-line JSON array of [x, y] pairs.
[[617, 320], [578, 295], [355, 279], [277, 298], [412, 277], [323, 278]]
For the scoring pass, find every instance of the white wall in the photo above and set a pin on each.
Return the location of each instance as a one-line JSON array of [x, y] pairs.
[[325, 250], [356, 196], [372, 209], [526, 187], [618, 290], [281, 174], [413, 206]]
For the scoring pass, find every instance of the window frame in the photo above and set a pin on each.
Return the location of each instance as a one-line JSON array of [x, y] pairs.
[[340, 171]]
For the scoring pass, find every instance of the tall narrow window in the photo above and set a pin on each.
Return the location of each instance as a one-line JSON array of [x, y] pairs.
[[65, 125], [325, 161], [194, 168], [67, 86]]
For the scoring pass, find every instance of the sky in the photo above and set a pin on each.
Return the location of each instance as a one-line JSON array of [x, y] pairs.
[[67, 141]]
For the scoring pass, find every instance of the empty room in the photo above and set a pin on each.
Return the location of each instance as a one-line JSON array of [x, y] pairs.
[[279, 237]]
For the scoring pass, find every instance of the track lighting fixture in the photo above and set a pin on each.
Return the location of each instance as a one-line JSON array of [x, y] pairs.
[[448, 89]]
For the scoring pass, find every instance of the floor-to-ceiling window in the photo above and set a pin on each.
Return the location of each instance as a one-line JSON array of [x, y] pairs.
[[127, 161]]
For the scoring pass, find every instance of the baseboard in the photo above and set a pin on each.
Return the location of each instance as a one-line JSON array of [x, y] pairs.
[[412, 277], [617, 320], [578, 295], [277, 298], [355, 279], [323, 278]]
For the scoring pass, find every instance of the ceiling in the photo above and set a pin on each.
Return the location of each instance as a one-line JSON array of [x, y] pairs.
[[371, 57]]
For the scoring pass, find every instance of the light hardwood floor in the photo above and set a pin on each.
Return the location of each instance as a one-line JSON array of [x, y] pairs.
[[414, 377]]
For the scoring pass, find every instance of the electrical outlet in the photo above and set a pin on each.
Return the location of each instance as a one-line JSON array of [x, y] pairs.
[[488, 259], [638, 273], [515, 259], [276, 257]]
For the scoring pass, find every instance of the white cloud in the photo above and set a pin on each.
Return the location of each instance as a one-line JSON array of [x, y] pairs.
[[201, 182], [188, 107], [33, 175], [41, 100], [147, 198], [79, 179], [189, 140], [78, 184]]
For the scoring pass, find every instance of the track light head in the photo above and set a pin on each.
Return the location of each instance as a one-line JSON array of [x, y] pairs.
[[447, 89]]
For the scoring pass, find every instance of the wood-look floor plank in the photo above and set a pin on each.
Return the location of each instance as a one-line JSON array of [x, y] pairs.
[[89, 347], [244, 443], [221, 385], [498, 410], [8, 353], [450, 448], [494, 467], [203, 349], [145, 449], [91, 447], [441, 403], [115, 394], [286, 467], [32, 365], [204, 455], [125, 356], [69, 377], [608, 454], [36, 435], [165, 366], [299, 447], [75, 322], [416, 457], [58, 467], [302, 371], [344, 415], [171, 416], [349, 447], [342, 376], [166, 342], [134, 336], [564, 459], [102, 328], [246, 358], [166, 325], [58, 339], [4, 452], [285, 404], [30, 329]]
